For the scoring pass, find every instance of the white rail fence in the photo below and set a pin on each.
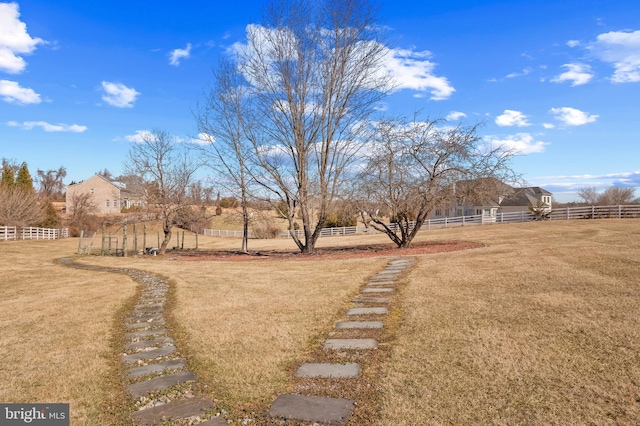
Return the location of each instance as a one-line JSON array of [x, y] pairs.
[[568, 213], [31, 233]]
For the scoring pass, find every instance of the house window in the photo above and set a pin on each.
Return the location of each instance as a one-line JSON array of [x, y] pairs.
[[459, 212], [115, 203], [438, 212], [106, 203], [478, 211], [487, 212]]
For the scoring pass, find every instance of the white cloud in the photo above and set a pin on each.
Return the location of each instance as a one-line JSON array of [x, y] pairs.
[[519, 74], [520, 143], [407, 68], [622, 50], [413, 70], [601, 181], [14, 39], [60, 127], [177, 54], [512, 118], [140, 136], [119, 95], [548, 125], [11, 92], [455, 115], [573, 43], [576, 73], [203, 139], [572, 116]]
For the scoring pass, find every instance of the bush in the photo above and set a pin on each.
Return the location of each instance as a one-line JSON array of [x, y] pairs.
[[192, 218], [264, 228], [229, 203], [338, 219]]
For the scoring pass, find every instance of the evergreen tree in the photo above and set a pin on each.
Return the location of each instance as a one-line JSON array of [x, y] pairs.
[[51, 218], [8, 178], [23, 180]]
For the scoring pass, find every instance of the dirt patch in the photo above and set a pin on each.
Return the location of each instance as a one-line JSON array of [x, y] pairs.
[[327, 253]]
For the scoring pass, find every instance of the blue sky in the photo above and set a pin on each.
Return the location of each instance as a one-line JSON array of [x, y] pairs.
[[557, 80]]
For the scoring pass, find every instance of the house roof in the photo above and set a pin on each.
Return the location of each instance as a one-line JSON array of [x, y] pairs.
[[93, 178], [525, 196]]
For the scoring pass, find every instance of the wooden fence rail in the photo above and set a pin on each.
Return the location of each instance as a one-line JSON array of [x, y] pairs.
[[568, 213], [32, 233]]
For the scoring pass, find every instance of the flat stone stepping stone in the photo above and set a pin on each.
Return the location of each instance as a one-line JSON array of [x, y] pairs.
[[350, 344], [143, 317], [358, 324], [153, 354], [145, 300], [147, 311], [159, 383], [179, 409], [377, 290], [336, 371], [368, 311], [371, 300], [312, 408], [379, 279], [400, 262], [145, 324], [148, 306], [376, 283], [145, 370], [160, 341], [145, 333]]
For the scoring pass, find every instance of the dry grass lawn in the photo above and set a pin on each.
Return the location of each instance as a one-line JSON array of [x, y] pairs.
[[246, 326], [541, 326], [56, 325]]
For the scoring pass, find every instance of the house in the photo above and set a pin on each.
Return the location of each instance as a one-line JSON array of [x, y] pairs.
[[109, 197], [522, 198], [496, 197]]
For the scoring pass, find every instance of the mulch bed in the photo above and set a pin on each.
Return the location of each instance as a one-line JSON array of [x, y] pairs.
[[327, 253]]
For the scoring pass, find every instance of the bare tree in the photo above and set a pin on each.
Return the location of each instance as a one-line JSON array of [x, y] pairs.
[[311, 75], [589, 195], [611, 196], [414, 167], [105, 173], [50, 181], [20, 207], [167, 171], [224, 122], [616, 195], [81, 206]]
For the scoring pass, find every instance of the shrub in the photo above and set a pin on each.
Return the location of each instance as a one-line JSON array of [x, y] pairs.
[[228, 203], [338, 219], [264, 228]]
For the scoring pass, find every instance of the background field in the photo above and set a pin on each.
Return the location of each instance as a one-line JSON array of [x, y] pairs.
[[541, 326]]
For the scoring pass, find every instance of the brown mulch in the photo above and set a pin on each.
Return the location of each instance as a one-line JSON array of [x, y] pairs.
[[327, 253]]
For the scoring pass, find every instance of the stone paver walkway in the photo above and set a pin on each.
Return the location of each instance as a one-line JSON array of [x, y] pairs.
[[159, 380], [336, 411]]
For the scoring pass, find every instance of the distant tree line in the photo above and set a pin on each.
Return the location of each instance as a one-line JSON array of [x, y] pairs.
[[611, 196], [21, 204]]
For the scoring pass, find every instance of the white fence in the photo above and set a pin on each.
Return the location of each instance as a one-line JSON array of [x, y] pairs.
[[569, 213], [31, 233]]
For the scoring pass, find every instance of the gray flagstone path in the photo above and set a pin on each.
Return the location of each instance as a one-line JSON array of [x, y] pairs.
[[337, 410], [150, 356]]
